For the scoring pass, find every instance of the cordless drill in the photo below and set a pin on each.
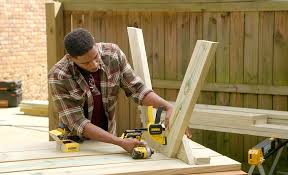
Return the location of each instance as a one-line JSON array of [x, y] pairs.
[[155, 130], [139, 152]]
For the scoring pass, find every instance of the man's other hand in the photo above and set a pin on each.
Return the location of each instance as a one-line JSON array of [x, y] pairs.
[[188, 132]]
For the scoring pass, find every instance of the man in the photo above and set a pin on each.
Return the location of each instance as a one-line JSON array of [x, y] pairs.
[[85, 83]]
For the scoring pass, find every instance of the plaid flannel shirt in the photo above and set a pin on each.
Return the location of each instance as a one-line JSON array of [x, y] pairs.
[[69, 90]]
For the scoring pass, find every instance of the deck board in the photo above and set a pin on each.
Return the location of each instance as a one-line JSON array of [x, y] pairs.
[[101, 158]]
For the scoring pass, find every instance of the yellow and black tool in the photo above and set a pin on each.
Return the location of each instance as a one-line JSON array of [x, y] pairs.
[[142, 152], [263, 150], [139, 152], [63, 145], [155, 128]]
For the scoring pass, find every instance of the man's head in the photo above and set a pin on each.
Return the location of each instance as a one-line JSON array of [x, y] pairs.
[[80, 46]]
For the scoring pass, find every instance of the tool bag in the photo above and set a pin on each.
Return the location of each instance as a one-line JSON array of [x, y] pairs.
[[10, 85], [10, 93]]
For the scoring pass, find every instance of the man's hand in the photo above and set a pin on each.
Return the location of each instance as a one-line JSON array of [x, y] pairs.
[[129, 143], [169, 110], [188, 132]]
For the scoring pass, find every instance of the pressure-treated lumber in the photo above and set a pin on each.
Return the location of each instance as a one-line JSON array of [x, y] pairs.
[[140, 63], [223, 87], [101, 158], [190, 89], [35, 107], [258, 122], [141, 68], [193, 153]]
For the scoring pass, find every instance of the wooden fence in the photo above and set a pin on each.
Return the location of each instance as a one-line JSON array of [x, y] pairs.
[[250, 68]]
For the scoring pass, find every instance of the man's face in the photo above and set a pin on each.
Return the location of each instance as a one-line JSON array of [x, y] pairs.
[[89, 61]]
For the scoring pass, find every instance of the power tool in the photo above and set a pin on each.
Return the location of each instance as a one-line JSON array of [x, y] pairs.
[[264, 149], [63, 145], [155, 130], [154, 127], [142, 152]]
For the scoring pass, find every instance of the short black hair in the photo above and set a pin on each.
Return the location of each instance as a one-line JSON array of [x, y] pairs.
[[78, 42]]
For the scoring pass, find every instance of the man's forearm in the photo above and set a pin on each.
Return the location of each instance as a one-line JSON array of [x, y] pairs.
[[96, 133], [152, 99]]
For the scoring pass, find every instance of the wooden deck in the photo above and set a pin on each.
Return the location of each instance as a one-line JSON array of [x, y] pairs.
[[102, 158], [25, 149]]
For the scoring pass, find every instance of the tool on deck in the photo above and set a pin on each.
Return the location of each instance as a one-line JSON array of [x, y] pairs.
[[155, 130], [142, 152], [263, 150], [139, 152], [63, 145]]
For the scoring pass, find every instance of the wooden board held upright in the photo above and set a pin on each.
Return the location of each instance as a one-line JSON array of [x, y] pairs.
[[190, 89]]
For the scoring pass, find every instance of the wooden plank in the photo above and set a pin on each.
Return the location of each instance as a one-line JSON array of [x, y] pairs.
[[134, 20], [250, 69], [77, 19], [158, 49], [192, 6], [222, 56], [272, 113], [98, 26], [266, 29], [170, 166], [151, 1], [280, 58], [268, 130], [190, 89], [183, 43], [55, 49], [196, 33], [138, 54], [88, 21], [10, 148], [87, 149], [147, 28], [223, 87], [35, 108], [236, 54], [57, 163], [141, 67], [67, 22], [110, 26], [193, 156], [209, 33], [222, 72], [123, 105], [170, 53], [101, 157], [251, 55], [224, 173], [236, 75]]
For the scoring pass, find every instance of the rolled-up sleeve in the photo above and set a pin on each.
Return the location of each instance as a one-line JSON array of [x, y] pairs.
[[69, 110], [132, 84]]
